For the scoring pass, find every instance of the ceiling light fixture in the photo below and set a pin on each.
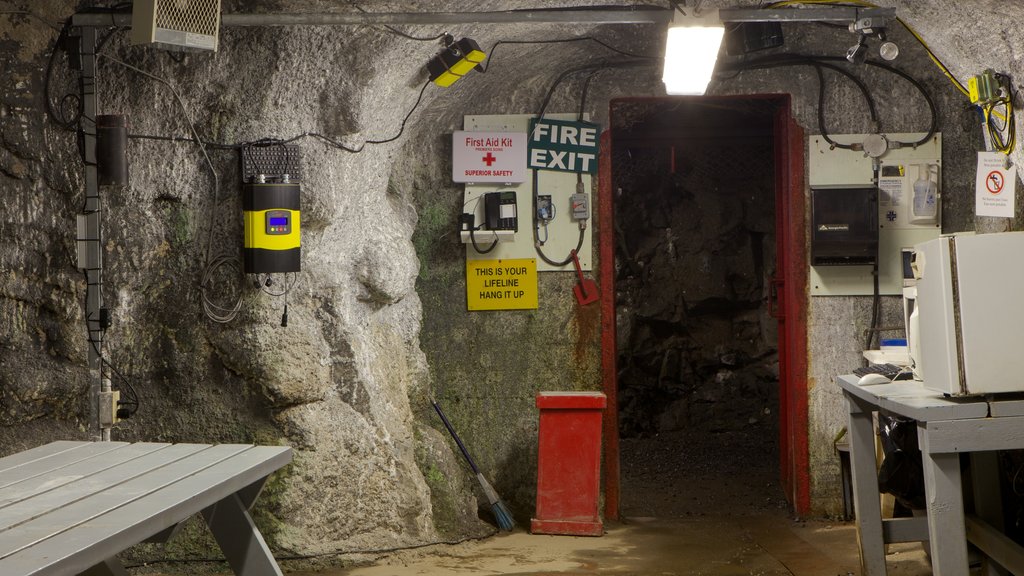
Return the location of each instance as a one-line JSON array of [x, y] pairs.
[[455, 61], [691, 51]]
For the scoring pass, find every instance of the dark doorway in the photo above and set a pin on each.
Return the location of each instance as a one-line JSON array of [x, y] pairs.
[[694, 186]]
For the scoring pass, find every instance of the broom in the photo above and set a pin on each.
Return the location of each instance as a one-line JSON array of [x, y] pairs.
[[501, 513]]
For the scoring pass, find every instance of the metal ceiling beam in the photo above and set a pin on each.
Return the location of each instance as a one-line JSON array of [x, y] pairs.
[[414, 18], [842, 14], [838, 14]]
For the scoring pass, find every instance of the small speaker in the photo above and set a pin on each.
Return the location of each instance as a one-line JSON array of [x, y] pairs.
[[176, 24]]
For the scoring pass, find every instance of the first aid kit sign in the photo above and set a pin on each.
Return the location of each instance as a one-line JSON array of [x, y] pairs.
[[488, 157], [563, 146]]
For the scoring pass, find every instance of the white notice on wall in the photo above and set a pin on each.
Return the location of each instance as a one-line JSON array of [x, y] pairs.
[[479, 157], [995, 187]]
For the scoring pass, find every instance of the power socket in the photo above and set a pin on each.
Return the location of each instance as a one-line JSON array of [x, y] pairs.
[[545, 209]]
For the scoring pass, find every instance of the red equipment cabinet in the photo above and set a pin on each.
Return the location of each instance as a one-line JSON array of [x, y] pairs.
[[569, 463]]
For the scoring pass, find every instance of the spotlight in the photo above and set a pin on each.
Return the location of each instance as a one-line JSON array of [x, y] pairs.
[[857, 53], [691, 51], [888, 51], [455, 61]]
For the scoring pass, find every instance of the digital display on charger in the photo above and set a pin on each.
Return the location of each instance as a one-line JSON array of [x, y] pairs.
[[274, 221]]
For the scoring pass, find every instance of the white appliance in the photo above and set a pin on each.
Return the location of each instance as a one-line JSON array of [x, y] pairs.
[[970, 306]]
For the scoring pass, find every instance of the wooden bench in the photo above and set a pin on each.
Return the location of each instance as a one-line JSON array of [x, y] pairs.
[[69, 508]]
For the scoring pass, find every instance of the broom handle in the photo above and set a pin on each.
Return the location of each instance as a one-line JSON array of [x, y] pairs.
[[458, 440]]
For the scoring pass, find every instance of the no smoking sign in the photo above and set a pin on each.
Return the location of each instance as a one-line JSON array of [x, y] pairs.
[[994, 182], [995, 186]]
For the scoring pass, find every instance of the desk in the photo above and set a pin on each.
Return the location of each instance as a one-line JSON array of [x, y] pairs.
[[69, 508], [946, 428]]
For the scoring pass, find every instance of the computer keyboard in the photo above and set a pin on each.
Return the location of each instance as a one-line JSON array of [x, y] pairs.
[[890, 371]]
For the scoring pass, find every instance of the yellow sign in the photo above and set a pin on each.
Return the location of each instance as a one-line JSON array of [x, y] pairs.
[[501, 284]]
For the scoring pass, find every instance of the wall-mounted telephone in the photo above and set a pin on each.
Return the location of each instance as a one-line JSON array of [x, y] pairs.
[[500, 211]]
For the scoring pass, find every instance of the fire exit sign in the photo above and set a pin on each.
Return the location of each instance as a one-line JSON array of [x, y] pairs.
[[563, 146]]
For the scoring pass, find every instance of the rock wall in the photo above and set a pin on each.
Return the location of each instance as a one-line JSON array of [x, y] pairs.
[[336, 383], [376, 323]]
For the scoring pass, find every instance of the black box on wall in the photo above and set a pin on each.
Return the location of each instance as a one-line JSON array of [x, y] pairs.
[[844, 226]]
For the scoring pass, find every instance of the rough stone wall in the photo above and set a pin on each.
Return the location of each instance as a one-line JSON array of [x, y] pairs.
[[336, 383], [345, 383]]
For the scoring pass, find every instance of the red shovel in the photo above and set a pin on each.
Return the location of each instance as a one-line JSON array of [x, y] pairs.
[[585, 290]]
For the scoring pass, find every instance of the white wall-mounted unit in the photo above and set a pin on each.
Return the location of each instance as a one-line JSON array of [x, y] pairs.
[[176, 24], [901, 174], [559, 234]]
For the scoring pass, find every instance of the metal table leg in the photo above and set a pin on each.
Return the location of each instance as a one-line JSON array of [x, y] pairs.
[[865, 488], [944, 493], [239, 539]]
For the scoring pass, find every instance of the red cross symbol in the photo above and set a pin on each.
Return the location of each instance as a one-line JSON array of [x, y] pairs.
[[489, 159]]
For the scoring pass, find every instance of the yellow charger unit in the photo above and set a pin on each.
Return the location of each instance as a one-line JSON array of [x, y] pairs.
[[272, 226]]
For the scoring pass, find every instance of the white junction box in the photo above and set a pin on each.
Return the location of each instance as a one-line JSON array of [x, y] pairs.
[[176, 24], [907, 179]]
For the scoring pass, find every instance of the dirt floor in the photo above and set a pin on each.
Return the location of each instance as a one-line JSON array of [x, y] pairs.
[[693, 505]]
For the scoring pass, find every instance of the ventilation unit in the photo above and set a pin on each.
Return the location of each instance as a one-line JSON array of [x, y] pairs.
[[176, 24]]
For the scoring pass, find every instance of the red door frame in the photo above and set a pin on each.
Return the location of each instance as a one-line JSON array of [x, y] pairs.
[[790, 285]]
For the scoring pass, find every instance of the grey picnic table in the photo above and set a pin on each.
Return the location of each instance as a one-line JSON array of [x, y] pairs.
[[68, 508]]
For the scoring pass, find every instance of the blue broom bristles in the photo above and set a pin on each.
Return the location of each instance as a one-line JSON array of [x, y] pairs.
[[501, 513], [503, 516]]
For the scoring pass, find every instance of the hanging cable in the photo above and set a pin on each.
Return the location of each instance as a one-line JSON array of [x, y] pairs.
[[494, 47], [536, 233], [931, 55], [216, 312], [825, 61], [398, 32]]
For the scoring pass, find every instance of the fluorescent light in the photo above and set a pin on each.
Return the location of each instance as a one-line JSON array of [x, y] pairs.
[[691, 52]]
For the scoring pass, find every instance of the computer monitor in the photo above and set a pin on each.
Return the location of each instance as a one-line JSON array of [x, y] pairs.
[[910, 315]]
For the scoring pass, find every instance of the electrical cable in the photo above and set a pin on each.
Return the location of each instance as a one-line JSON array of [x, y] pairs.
[[216, 312], [399, 32], [56, 114], [133, 402], [789, 60], [274, 141], [401, 129], [536, 233], [587, 68], [800, 60], [935, 59], [876, 305], [472, 239], [490, 53]]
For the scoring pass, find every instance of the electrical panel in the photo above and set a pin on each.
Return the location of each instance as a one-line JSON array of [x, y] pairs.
[[271, 213], [909, 209], [844, 226], [556, 211], [271, 203]]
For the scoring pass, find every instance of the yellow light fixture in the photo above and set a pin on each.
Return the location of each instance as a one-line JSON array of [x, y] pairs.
[[455, 61], [691, 51]]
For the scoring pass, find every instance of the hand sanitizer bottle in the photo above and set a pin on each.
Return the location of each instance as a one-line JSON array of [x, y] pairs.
[[926, 198]]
